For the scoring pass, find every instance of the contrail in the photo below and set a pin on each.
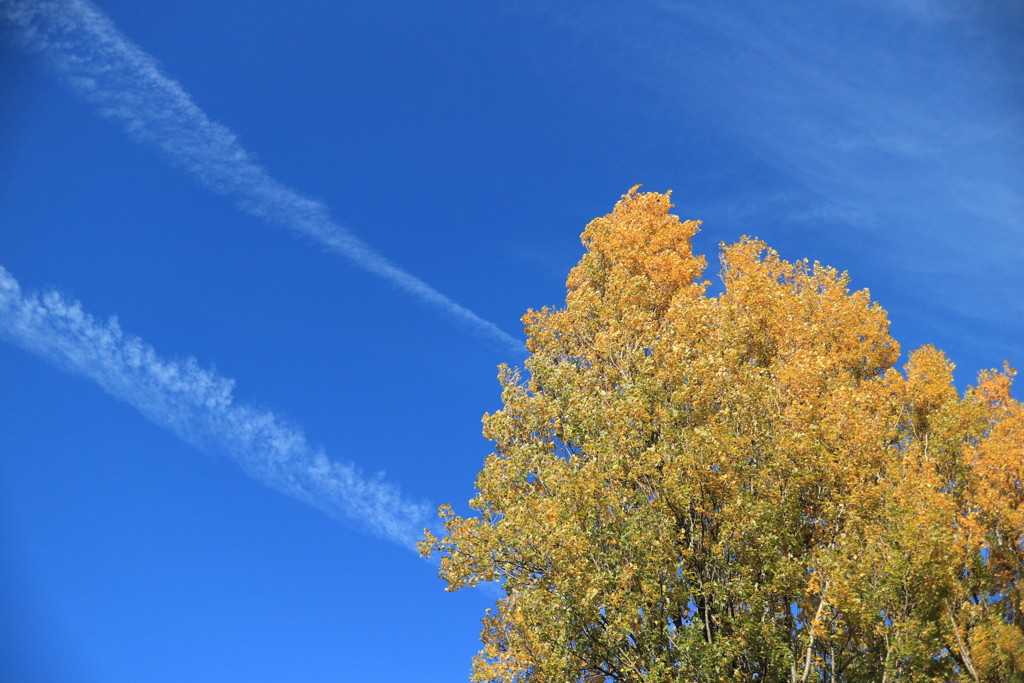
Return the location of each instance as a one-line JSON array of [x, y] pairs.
[[198, 406], [126, 84]]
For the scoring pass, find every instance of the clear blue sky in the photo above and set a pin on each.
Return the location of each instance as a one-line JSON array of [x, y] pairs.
[[345, 208]]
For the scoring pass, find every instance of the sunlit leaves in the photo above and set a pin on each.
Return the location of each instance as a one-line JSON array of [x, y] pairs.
[[739, 487]]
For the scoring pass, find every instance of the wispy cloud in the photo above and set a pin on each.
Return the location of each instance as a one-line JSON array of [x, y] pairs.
[[199, 407], [126, 84], [886, 124]]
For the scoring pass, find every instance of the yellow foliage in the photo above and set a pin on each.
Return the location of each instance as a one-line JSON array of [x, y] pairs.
[[739, 487]]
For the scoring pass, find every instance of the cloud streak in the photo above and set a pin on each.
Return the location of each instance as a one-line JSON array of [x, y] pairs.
[[126, 84], [198, 406], [891, 128]]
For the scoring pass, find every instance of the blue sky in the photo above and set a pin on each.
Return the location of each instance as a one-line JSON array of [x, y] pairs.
[[317, 225]]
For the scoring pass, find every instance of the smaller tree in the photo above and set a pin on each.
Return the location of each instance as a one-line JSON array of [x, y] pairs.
[[739, 487]]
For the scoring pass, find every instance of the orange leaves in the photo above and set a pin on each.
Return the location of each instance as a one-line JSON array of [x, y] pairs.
[[738, 487], [639, 239], [803, 314], [929, 380]]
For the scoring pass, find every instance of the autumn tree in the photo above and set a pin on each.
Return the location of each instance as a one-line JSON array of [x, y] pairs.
[[739, 487]]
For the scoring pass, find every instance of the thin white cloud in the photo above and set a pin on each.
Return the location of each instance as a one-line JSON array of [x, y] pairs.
[[879, 122], [126, 84], [199, 407]]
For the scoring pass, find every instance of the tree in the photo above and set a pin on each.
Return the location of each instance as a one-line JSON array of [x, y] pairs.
[[739, 487]]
